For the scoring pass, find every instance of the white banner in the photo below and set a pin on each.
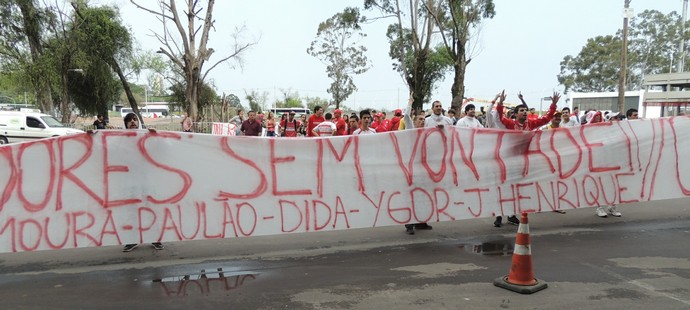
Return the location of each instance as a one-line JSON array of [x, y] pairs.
[[223, 129], [118, 187]]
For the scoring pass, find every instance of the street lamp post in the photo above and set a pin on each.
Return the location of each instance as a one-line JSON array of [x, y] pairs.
[[541, 102], [627, 13]]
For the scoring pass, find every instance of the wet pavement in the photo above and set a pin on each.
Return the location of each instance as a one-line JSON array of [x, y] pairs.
[[638, 261]]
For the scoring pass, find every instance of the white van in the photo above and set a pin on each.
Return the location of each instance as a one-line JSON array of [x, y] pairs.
[[29, 126]]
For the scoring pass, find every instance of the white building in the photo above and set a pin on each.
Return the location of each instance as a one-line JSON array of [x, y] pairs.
[[608, 101], [666, 94]]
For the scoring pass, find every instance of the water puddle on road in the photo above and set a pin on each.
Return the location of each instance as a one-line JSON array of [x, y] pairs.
[[205, 283], [499, 248]]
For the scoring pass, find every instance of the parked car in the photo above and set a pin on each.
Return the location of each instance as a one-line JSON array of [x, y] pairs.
[[29, 126]]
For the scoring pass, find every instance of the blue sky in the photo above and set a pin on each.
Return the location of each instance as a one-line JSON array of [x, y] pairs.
[[520, 49]]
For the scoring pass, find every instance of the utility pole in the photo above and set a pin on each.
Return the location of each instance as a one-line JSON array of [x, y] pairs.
[[624, 58], [681, 45]]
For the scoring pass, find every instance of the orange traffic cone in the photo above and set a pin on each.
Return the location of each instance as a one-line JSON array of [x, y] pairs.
[[521, 277]]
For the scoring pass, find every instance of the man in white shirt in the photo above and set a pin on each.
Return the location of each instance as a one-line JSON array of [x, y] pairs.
[[437, 119], [326, 128], [469, 120], [568, 120], [365, 120]]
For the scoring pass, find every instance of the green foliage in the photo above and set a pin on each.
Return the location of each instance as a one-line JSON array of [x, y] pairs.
[[458, 21], [234, 101], [336, 46], [311, 102], [291, 99], [422, 69], [23, 27], [596, 67], [103, 34], [290, 103], [177, 99], [257, 101], [94, 90], [653, 42], [652, 49], [97, 41]]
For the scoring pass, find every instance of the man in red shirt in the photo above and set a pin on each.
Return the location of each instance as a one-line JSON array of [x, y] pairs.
[[288, 127], [384, 123], [376, 121], [314, 120], [395, 121], [521, 122], [340, 124]]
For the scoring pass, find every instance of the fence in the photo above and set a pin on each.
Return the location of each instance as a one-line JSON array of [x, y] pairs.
[[199, 127]]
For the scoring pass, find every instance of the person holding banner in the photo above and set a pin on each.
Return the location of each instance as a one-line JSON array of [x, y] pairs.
[[594, 117], [493, 120], [522, 123], [132, 122], [418, 122]]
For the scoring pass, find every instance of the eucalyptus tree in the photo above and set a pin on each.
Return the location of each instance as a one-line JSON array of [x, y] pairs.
[[652, 49], [459, 24], [420, 62], [336, 45], [22, 32]]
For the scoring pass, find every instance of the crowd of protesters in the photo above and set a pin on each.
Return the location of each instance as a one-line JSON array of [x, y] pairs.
[[521, 117]]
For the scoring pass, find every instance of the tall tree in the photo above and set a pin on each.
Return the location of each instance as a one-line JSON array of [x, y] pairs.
[[654, 43], [189, 57], [411, 45], [595, 68], [106, 39], [336, 46], [652, 49], [257, 100], [22, 26], [458, 22]]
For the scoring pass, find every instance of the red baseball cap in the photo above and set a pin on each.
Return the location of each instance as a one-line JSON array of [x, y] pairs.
[[338, 111]]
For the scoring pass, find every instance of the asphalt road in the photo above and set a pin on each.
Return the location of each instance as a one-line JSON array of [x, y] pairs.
[[638, 261]]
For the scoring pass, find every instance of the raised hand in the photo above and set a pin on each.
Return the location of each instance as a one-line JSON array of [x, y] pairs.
[[556, 96], [502, 97]]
